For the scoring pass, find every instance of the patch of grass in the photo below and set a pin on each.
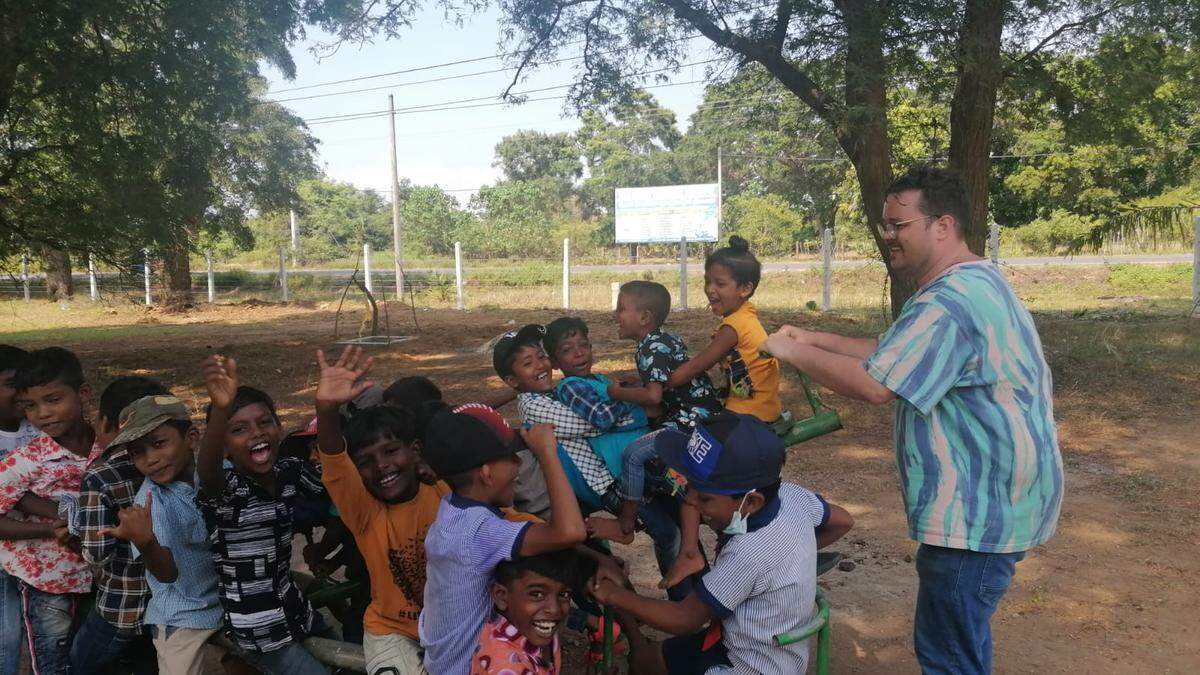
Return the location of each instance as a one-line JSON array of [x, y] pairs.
[[1152, 279], [1132, 486]]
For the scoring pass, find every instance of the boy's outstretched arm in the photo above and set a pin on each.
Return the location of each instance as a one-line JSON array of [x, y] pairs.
[[221, 380], [36, 505], [839, 523], [339, 383], [722, 342], [565, 528], [677, 618]]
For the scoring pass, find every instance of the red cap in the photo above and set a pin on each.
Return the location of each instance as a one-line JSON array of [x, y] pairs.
[[310, 430], [494, 421]]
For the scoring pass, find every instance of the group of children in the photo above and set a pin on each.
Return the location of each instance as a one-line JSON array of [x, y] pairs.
[[471, 534]]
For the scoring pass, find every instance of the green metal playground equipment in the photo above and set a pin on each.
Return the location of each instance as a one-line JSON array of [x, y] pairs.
[[824, 420]]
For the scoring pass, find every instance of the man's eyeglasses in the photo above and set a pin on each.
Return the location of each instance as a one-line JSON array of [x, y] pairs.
[[888, 230]]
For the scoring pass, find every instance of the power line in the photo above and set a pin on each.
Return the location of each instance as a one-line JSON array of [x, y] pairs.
[[478, 59], [412, 108]]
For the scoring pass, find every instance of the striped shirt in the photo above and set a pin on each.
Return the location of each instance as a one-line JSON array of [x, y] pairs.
[[466, 542], [191, 600], [975, 437], [250, 534], [764, 583], [121, 591]]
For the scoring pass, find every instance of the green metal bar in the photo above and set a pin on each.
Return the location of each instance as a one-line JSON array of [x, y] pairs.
[[606, 656]]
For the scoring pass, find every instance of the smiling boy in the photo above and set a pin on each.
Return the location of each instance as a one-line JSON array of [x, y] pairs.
[[50, 575], [249, 508], [168, 533], [532, 597], [371, 473]]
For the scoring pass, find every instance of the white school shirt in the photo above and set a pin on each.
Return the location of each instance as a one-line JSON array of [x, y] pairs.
[[764, 583]]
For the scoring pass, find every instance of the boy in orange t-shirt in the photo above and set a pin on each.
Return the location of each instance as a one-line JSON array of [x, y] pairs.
[[371, 474]]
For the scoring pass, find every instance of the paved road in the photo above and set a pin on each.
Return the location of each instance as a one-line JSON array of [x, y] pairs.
[[695, 266]]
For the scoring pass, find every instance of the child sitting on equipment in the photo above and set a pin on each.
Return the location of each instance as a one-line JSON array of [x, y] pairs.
[[532, 597], [731, 276], [249, 510], [763, 582], [168, 533], [470, 536]]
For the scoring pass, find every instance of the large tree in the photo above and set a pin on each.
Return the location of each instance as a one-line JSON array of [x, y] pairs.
[[839, 57], [114, 115]]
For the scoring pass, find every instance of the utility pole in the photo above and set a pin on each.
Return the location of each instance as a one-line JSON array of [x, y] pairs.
[[395, 205]]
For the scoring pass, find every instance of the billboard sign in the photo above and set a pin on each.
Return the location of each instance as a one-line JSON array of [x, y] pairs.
[[667, 213]]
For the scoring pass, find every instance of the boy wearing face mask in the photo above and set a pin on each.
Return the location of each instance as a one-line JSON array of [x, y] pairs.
[[763, 582]]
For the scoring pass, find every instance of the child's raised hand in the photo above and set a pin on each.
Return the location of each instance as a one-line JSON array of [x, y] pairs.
[[341, 381], [221, 380], [540, 439], [602, 589], [135, 524]]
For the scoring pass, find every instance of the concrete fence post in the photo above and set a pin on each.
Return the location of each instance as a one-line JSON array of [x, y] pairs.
[[93, 290], [283, 276], [683, 260], [212, 287], [566, 271], [25, 276], [367, 269], [458, 275], [826, 269], [146, 276]]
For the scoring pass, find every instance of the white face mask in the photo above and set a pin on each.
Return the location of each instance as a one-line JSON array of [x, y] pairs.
[[737, 524]]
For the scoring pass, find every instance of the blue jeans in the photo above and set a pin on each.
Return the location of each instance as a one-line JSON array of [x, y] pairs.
[[97, 644], [959, 591], [633, 466], [294, 659], [48, 617], [12, 624]]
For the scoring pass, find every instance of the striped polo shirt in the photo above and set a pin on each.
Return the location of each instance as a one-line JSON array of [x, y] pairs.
[[975, 437], [466, 542], [764, 583], [250, 535]]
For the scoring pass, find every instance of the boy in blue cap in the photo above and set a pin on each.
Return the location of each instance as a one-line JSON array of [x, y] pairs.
[[764, 580]]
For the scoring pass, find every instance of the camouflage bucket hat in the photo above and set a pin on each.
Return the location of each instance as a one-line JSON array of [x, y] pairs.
[[147, 414]]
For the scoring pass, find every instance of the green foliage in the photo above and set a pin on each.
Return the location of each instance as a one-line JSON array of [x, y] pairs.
[[433, 221], [336, 219], [517, 218], [529, 155], [1061, 232], [1152, 279], [770, 225], [125, 123]]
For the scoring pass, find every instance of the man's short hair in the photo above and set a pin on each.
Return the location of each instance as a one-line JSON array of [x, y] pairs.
[[649, 296], [943, 192], [52, 364], [560, 329]]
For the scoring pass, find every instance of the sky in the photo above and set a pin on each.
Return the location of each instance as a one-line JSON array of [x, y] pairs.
[[451, 149]]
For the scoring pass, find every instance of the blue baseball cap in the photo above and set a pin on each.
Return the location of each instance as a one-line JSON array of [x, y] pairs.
[[727, 454]]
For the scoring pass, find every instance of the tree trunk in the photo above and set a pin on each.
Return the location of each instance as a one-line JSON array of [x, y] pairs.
[[59, 284], [175, 277], [865, 136], [973, 108]]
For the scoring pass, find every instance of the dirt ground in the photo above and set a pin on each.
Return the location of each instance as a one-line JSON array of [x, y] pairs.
[[1114, 591]]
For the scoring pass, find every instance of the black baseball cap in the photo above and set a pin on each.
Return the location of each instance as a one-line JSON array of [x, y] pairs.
[[728, 453], [456, 442], [508, 344]]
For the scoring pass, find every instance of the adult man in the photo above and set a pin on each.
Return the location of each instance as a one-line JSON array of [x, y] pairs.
[[975, 439]]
